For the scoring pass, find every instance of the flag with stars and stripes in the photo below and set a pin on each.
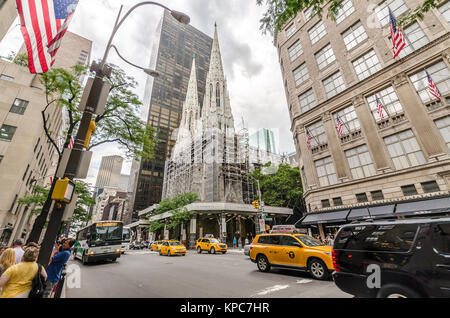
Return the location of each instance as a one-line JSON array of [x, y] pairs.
[[379, 107], [397, 38], [432, 87], [71, 142], [308, 139], [41, 22], [339, 125]]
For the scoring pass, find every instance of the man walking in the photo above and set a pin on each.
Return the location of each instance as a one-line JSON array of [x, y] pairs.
[[59, 258]]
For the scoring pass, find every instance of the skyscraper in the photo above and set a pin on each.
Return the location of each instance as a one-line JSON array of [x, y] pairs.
[[264, 140], [109, 173], [174, 47]]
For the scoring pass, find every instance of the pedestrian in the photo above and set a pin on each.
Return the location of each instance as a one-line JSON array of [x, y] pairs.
[[18, 248], [235, 242], [246, 241], [32, 244], [8, 260], [2, 249], [58, 259], [16, 281]]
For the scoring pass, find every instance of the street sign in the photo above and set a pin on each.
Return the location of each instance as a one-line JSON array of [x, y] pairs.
[[262, 225]]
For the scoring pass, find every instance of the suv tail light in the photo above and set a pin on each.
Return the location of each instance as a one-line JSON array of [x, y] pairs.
[[335, 257]]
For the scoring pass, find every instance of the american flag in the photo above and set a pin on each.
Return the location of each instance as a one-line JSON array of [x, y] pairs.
[[339, 125], [51, 180], [398, 40], [71, 142], [41, 22], [379, 107], [432, 88], [308, 138]]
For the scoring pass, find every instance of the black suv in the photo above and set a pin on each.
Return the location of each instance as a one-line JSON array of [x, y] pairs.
[[398, 258]]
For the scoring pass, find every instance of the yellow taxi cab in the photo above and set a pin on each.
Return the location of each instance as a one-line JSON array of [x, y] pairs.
[[210, 244], [170, 248], [156, 245], [292, 251]]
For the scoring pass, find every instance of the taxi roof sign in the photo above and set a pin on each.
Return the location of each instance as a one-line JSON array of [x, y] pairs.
[[287, 229]]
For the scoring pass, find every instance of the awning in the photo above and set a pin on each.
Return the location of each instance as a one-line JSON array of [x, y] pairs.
[[433, 206], [325, 217], [383, 211], [358, 214]]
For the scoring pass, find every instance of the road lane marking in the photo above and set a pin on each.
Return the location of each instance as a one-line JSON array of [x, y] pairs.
[[272, 289], [304, 281]]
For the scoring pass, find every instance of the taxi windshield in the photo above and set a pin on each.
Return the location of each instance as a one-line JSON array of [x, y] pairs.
[[215, 241], [174, 243], [308, 240]]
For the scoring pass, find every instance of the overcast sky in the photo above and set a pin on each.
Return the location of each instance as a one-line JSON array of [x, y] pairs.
[[250, 59]]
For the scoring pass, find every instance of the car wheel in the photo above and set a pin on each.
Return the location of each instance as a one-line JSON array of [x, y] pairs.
[[223, 252], [397, 291], [160, 253], [263, 263], [199, 250], [113, 259], [318, 269], [213, 250], [169, 253]]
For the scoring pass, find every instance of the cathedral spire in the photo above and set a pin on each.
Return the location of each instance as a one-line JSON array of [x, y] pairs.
[[215, 64]]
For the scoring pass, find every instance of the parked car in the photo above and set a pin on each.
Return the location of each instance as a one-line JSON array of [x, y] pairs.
[[398, 258], [247, 249], [292, 251], [170, 248]]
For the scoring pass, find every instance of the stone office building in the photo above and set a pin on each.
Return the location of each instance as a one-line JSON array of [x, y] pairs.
[[338, 69]]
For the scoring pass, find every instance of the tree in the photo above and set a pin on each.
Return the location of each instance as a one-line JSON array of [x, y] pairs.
[[37, 198], [280, 11], [284, 188], [119, 122], [177, 205]]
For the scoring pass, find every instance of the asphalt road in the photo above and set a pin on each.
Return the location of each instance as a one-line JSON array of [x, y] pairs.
[[145, 274]]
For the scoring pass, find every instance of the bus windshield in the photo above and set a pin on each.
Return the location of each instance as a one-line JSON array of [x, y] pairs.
[[106, 233]]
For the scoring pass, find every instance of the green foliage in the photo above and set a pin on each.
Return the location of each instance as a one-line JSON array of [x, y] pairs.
[[177, 205], [118, 123], [36, 200], [279, 12], [19, 59], [284, 188]]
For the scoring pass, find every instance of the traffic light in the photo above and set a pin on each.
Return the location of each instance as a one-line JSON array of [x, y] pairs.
[[256, 204], [91, 130], [63, 190]]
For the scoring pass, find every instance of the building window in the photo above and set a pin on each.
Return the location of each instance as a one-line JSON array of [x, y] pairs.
[[317, 32], [415, 38], [308, 13], [7, 132], [337, 201], [307, 100], [1, 158], [389, 99], [404, 150], [317, 132], [445, 11], [354, 35], [377, 195], [398, 7], [409, 190], [346, 10], [366, 65], [334, 84], [361, 198], [441, 78], [325, 171], [19, 106], [325, 56], [6, 78], [443, 124], [325, 203], [14, 202], [295, 50], [360, 162], [430, 186], [349, 120], [301, 74], [290, 31], [25, 174]]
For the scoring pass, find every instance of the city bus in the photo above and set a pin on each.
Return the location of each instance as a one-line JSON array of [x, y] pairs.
[[126, 239], [99, 241]]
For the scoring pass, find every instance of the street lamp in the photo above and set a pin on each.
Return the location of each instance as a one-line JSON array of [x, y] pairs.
[[94, 97], [146, 70]]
